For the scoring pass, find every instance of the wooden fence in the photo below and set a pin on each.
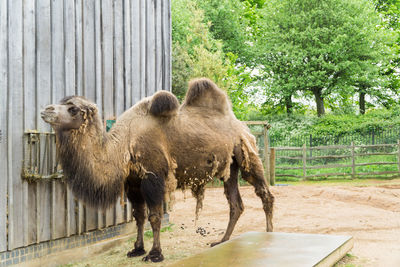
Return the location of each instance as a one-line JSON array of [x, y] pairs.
[[306, 155], [114, 52], [261, 133]]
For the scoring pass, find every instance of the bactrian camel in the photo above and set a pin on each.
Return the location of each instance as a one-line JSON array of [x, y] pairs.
[[154, 147]]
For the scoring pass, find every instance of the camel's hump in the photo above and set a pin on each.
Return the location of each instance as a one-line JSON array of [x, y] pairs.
[[163, 104], [203, 92]]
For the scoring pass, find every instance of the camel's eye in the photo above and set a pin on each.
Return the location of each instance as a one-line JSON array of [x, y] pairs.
[[73, 110]]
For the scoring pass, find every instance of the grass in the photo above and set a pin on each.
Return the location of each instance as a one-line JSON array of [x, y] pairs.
[[149, 234]]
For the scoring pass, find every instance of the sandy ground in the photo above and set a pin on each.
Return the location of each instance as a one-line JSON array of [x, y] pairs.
[[371, 214]]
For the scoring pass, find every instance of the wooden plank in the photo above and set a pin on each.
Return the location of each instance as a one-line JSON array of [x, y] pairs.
[[167, 40], [377, 146], [99, 80], [3, 124], [136, 56], [376, 163], [398, 155], [327, 147], [143, 48], [79, 90], [58, 212], [376, 173], [329, 174], [304, 160], [329, 166], [158, 45], [289, 168], [257, 123], [108, 74], [30, 107], [89, 79], [79, 47], [288, 148], [127, 53], [272, 166], [375, 154], [150, 47], [353, 160], [69, 77], [89, 49], [17, 216], [119, 102], [288, 175]]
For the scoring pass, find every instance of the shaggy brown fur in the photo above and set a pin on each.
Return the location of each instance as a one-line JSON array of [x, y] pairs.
[[154, 147]]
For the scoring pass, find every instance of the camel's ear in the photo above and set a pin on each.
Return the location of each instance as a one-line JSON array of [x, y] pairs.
[[90, 109], [163, 104]]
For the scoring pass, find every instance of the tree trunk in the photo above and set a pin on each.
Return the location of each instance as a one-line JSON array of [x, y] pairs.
[[289, 104], [319, 100], [362, 103]]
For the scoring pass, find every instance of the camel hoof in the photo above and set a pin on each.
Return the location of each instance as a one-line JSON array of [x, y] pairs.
[[154, 256], [136, 252], [215, 243]]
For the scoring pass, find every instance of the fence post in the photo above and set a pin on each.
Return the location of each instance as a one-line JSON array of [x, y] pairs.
[[272, 166], [266, 156], [304, 161], [353, 161], [398, 153]]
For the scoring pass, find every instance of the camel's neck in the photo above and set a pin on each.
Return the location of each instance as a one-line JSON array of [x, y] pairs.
[[94, 163]]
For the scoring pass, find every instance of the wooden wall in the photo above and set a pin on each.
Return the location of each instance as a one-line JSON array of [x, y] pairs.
[[114, 52]]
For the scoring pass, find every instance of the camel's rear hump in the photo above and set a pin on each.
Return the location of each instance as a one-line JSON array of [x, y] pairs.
[[203, 92]]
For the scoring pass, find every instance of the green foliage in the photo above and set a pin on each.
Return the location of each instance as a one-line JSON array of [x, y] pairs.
[[195, 53], [317, 48]]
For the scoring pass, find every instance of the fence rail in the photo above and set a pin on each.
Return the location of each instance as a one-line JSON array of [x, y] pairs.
[[309, 169]]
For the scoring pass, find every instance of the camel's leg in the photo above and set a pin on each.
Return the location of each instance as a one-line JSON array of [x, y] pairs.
[[256, 178], [139, 213], [236, 207], [155, 216], [153, 191]]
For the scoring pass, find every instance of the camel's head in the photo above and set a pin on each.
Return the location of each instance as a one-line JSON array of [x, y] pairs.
[[71, 113]]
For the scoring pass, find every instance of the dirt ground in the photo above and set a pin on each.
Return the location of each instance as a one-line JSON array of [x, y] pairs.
[[370, 212]]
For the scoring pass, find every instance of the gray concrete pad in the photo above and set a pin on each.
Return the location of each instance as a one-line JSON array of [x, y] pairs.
[[255, 249]]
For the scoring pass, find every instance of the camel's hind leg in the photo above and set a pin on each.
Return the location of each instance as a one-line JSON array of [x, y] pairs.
[[256, 178], [232, 194]]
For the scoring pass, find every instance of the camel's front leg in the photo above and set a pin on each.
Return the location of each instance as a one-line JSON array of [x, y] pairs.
[[153, 189], [139, 213], [155, 221], [236, 208]]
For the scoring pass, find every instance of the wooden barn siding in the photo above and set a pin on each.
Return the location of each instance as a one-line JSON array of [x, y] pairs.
[[114, 52]]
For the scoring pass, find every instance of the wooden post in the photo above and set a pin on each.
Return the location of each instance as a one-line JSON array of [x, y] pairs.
[[353, 161], [272, 166], [304, 161], [398, 154], [266, 155]]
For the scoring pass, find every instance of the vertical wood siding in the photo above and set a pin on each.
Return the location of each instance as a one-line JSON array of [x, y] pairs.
[[113, 52]]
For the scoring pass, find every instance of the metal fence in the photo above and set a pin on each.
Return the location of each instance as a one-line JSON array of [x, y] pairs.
[[114, 52]]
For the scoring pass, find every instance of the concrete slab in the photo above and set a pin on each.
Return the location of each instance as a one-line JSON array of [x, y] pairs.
[[255, 249]]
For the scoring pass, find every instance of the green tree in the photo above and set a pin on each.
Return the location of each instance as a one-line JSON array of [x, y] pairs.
[[195, 53], [319, 48]]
